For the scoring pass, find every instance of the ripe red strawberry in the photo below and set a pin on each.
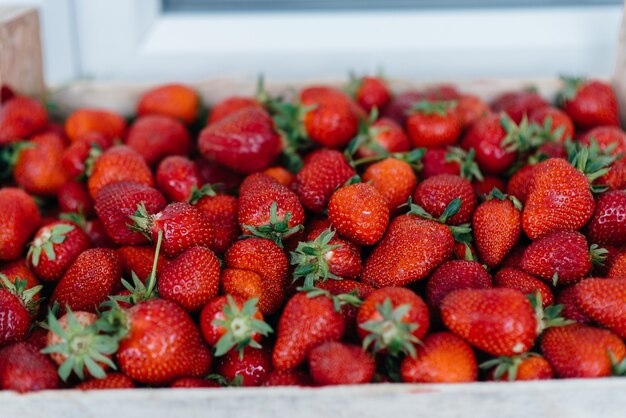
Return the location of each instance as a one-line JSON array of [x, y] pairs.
[[571, 310], [155, 137], [433, 124], [247, 284], [140, 260], [83, 121], [483, 187], [608, 224], [455, 275], [615, 179], [54, 249], [602, 269], [611, 137], [21, 117], [177, 177], [19, 218], [74, 197], [392, 320], [18, 269], [442, 358], [436, 193], [497, 226], [116, 164], [268, 261], [561, 257], [281, 175], [229, 106], [78, 158], [359, 212], [394, 179], [618, 269], [604, 301], [582, 351], [335, 363], [267, 209], [245, 141], [517, 185], [24, 369], [38, 168], [191, 279], [194, 382], [348, 311], [383, 135], [369, 92], [514, 278], [173, 100], [554, 121], [410, 250], [251, 367], [111, 381], [500, 321], [450, 160], [181, 225], [527, 366], [221, 212], [287, 377], [17, 306], [294, 342], [89, 281], [469, 109], [116, 202], [213, 173], [589, 103], [518, 104]]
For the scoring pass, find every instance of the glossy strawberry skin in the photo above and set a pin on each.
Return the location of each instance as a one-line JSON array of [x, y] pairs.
[[162, 345], [176, 177], [14, 318], [75, 156], [434, 162], [281, 175], [84, 121], [517, 185], [294, 342], [91, 279], [254, 367], [497, 226], [608, 224], [174, 100], [111, 381], [455, 275], [21, 117], [221, 212], [116, 202], [244, 142], [38, 169], [192, 279], [604, 301], [183, 226], [24, 369], [568, 298], [229, 106], [564, 252], [155, 137], [394, 179], [410, 250], [433, 130], [247, 284], [517, 279], [581, 351], [559, 119], [558, 199], [518, 104], [139, 259], [19, 217], [499, 321], [435, 194], [594, 104], [442, 358], [372, 92], [73, 196], [606, 136], [486, 136], [335, 363], [618, 269]]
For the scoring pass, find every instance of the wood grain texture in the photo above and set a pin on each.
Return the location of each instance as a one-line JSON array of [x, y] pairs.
[[21, 63]]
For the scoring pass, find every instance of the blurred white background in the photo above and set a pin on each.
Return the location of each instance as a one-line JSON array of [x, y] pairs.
[[188, 40]]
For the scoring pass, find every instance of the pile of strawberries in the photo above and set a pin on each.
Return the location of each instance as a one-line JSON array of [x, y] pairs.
[[328, 237]]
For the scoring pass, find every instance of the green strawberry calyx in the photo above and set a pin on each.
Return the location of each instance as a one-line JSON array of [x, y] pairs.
[[237, 381], [240, 326], [142, 221], [506, 365], [461, 233], [45, 240], [520, 138], [597, 255], [467, 161], [590, 160], [433, 107], [311, 259], [340, 300], [496, 194], [571, 85], [199, 193], [547, 317], [18, 288], [276, 230]]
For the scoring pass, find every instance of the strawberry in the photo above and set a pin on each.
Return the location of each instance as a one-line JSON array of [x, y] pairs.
[[410, 250], [19, 217], [442, 358], [433, 124], [287, 377], [469, 109], [17, 305], [191, 279], [608, 224], [380, 137], [562, 257], [497, 226], [500, 321], [21, 117], [177, 177], [455, 275], [155, 137], [392, 320], [54, 249], [610, 138], [251, 367], [567, 297], [604, 301], [18, 269], [325, 256], [221, 212], [174, 100], [442, 92], [527, 366], [323, 172], [78, 158], [589, 103], [294, 342], [582, 351], [436, 193], [400, 105], [73, 196], [116, 202], [183, 226], [483, 187], [24, 369], [348, 311], [615, 179], [139, 259], [267, 209], [618, 269], [517, 185], [116, 164], [517, 279], [244, 142], [369, 92], [194, 382], [38, 168], [394, 179], [213, 173], [602, 269], [265, 259], [359, 212], [518, 104], [83, 121], [442, 161], [229, 106], [554, 121], [334, 363], [281, 175], [111, 381], [88, 282]]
